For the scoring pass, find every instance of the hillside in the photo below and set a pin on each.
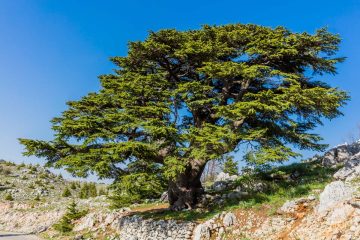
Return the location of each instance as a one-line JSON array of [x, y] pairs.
[[315, 199], [32, 198]]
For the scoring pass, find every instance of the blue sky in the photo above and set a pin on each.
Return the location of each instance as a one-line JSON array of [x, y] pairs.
[[52, 51]]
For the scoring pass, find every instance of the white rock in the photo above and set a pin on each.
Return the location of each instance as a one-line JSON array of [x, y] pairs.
[[225, 177], [291, 206], [350, 170], [229, 219], [339, 214], [340, 154], [334, 193], [202, 231]]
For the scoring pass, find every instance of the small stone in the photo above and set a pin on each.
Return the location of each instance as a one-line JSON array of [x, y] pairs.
[[229, 219]]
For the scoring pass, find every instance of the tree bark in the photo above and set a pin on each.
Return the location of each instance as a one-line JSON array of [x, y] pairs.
[[186, 190]]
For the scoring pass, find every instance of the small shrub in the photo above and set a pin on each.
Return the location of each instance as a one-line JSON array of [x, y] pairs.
[[39, 183], [66, 222], [10, 164], [32, 168], [9, 197], [102, 192], [66, 192], [88, 190], [24, 177], [92, 190], [37, 198], [43, 176]]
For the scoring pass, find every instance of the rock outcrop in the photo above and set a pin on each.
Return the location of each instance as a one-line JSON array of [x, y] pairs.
[[340, 154], [334, 193], [351, 169]]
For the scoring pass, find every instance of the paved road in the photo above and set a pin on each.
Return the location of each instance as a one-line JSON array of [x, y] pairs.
[[17, 236]]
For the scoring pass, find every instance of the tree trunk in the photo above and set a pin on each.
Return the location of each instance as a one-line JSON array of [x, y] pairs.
[[186, 191]]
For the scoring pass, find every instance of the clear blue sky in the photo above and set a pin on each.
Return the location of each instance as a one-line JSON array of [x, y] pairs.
[[52, 51]]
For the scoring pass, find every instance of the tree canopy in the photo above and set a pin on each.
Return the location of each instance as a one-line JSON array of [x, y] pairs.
[[230, 166], [182, 98]]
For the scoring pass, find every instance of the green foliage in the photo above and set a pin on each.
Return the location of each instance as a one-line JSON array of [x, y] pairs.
[[37, 198], [43, 176], [9, 197], [183, 98], [33, 169], [84, 191], [24, 177], [39, 182], [266, 155], [102, 192], [66, 222], [135, 188], [88, 190], [8, 163], [66, 192], [73, 186], [92, 190], [230, 166]]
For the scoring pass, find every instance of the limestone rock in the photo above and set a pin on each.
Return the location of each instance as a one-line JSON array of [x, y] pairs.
[[339, 214], [350, 170], [334, 193], [225, 177], [340, 154], [291, 206], [229, 219], [201, 232]]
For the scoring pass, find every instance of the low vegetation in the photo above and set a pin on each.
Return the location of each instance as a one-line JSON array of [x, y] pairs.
[[279, 184], [9, 197], [35, 183], [66, 223]]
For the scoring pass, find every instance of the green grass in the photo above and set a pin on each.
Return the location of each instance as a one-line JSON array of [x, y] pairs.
[[311, 176]]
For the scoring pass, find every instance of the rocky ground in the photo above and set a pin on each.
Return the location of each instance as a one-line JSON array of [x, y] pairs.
[[318, 199], [37, 200]]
